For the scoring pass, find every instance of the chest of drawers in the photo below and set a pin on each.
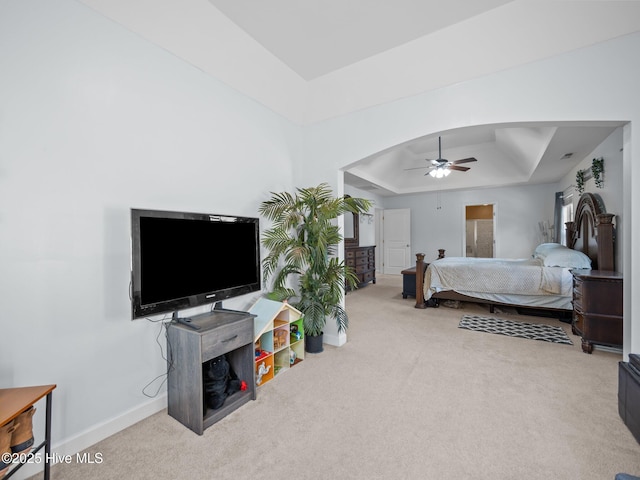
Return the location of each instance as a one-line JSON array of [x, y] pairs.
[[363, 262], [597, 308]]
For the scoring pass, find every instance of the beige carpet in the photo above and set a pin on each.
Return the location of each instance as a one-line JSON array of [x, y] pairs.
[[410, 396]]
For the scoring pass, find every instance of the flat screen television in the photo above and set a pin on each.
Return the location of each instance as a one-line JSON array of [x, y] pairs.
[[182, 260]]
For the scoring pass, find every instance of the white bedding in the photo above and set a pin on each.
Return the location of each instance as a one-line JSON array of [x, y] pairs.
[[516, 281]]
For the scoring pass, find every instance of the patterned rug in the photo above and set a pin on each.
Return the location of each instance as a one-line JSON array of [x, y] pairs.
[[533, 331]]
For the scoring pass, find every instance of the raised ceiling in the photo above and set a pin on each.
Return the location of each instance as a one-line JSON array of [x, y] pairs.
[[510, 154], [316, 37], [302, 58], [310, 60]]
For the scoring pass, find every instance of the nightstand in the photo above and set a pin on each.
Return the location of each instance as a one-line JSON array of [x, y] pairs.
[[597, 308]]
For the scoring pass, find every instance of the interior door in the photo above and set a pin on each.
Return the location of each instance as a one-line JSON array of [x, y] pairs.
[[480, 231], [396, 240]]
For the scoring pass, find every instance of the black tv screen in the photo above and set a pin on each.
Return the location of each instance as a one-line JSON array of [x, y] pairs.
[[181, 260]]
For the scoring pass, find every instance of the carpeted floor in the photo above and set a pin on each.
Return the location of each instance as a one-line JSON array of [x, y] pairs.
[[410, 396]]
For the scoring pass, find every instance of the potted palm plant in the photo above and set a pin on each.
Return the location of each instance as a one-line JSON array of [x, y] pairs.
[[302, 243]]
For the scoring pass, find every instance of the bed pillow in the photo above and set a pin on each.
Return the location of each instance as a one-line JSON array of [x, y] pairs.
[[565, 257], [543, 249]]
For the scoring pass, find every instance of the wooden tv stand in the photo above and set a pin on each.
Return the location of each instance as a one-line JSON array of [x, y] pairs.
[[221, 332]]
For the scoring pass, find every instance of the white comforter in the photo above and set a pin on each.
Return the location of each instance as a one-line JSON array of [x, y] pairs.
[[496, 276]]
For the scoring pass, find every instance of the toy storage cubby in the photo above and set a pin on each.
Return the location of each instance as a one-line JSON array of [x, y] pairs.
[[278, 337]]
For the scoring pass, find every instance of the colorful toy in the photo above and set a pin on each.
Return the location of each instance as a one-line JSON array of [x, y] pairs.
[[219, 382], [263, 369], [295, 333], [279, 338]]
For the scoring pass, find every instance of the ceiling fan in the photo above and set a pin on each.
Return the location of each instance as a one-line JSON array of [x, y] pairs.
[[441, 167]]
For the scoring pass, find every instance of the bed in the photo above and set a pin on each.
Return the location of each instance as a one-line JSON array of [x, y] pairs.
[[542, 282]]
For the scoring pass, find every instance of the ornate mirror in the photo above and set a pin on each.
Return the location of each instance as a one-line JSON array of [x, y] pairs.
[[351, 222]]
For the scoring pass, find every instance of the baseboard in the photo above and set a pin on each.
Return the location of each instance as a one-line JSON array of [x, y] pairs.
[[337, 340], [72, 446], [107, 428]]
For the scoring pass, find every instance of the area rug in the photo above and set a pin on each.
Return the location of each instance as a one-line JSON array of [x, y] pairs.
[[533, 331]]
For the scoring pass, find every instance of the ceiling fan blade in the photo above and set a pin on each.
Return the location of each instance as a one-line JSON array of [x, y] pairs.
[[465, 160], [417, 168], [441, 163]]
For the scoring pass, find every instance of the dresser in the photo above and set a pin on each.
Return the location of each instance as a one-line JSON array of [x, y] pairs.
[[363, 262], [597, 308]]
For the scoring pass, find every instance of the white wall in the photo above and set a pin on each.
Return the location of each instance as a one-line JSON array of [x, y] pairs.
[[612, 190], [189, 29], [438, 219], [94, 121]]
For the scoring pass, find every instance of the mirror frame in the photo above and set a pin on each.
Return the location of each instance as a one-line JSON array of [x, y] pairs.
[[355, 240]]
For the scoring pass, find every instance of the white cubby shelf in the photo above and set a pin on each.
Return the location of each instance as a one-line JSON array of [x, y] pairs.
[[278, 338]]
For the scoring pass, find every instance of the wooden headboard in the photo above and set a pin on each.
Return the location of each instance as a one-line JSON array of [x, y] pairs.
[[592, 232]]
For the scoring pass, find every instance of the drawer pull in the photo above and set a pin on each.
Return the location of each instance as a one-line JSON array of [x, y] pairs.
[[229, 339]]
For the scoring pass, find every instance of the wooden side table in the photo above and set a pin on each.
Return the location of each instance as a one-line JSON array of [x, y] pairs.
[[14, 401], [222, 332], [597, 308]]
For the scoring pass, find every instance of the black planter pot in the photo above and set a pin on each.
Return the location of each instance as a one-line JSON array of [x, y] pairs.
[[313, 343]]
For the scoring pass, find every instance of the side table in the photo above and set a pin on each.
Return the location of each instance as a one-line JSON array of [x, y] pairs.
[[14, 401]]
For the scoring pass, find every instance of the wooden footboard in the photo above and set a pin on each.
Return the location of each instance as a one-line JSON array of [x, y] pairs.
[[420, 281], [444, 295], [421, 266]]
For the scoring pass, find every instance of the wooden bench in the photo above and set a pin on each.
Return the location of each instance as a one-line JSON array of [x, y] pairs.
[[409, 281]]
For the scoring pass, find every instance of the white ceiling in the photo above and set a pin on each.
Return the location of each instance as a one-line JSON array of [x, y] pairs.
[[506, 155], [316, 37], [287, 53]]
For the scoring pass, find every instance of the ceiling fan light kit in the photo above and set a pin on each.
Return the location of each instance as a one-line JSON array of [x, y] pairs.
[[441, 167], [439, 172]]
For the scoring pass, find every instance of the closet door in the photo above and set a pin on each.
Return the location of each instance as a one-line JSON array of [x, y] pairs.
[[396, 240]]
